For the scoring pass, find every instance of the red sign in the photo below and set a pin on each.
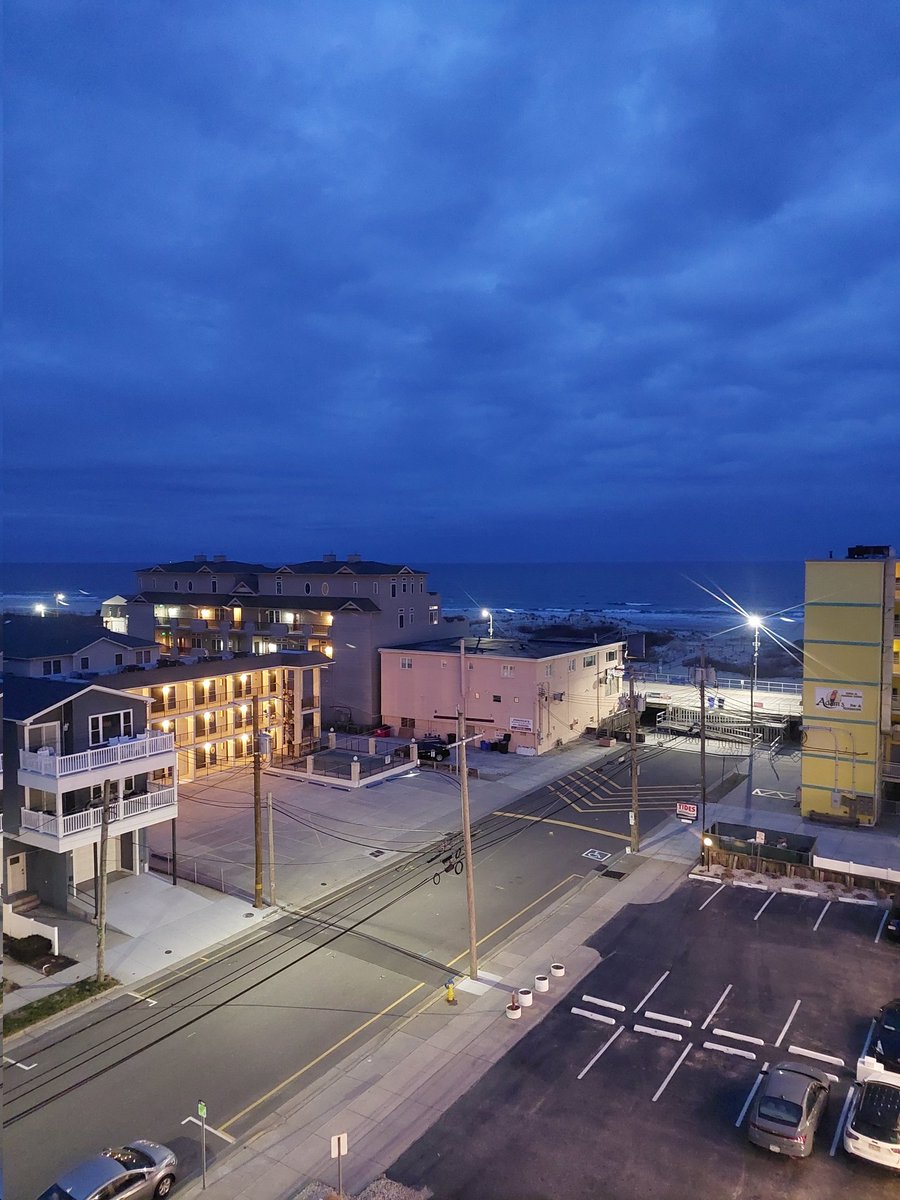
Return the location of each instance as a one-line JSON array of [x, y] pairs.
[[686, 810]]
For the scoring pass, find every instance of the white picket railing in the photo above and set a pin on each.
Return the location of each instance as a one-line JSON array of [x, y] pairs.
[[92, 818], [122, 751]]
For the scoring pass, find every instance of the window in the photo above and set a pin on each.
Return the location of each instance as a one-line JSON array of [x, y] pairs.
[[407, 722], [190, 585], [307, 587], [375, 588], [53, 666], [589, 660], [548, 671], [174, 585], [324, 589], [612, 655], [400, 620], [103, 726], [571, 664], [443, 663], [197, 642], [279, 586], [403, 586], [497, 699], [393, 588], [214, 585], [217, 645], [433, 615], [355, 587], [142, 656], [85, 662], [405, 664], [412, 615], [118, 660], [219, 614], [507, 670]]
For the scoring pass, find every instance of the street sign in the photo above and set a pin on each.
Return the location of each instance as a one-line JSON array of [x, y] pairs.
[[760, 836], [338, 1145], [631, 818], [597, 855], [686, 810], [201, 1108]]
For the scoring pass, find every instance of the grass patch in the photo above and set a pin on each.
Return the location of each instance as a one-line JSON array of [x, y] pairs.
[[56, 1002]]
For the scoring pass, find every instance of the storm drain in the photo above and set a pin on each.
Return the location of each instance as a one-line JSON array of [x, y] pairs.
[[377, 853]]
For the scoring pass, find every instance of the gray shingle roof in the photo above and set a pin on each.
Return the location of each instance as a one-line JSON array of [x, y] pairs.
[[36, 637], [23, 698]]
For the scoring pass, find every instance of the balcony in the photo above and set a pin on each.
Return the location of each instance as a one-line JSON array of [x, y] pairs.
[[66, 832], [119, 757]]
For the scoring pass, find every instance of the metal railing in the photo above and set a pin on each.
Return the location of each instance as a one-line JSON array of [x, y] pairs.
[[736, 683], [114, 753], [92, 818]]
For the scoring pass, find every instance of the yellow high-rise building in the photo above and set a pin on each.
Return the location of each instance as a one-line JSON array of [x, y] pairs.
[[851, 686]]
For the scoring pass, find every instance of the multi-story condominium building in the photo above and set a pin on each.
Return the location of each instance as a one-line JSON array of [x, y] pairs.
[[540, 693], [851, 686], [207, 607], [66, 746], [207, 707]]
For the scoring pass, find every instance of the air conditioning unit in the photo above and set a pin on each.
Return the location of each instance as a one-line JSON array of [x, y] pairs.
[[559, 696]]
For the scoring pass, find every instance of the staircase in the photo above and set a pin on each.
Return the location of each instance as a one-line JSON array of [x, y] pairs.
[[24, 902]]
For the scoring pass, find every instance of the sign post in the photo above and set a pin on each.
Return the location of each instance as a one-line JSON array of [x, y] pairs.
[[338, 1150], [201, 1113]]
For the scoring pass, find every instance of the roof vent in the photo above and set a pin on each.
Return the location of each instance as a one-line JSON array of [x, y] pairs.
[[329, 558], [199, 558], [354, 558], [219, 558]]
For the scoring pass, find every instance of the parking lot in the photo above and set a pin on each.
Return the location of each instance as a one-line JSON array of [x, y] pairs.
[[638, 1083]]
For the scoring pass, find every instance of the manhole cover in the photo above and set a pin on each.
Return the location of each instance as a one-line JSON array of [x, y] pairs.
[[613, 874], [376, 853]]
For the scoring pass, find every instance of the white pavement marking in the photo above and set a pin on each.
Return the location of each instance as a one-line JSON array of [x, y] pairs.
[[22, 1066], [606, 1045], [663, 1033], [842, 1120], [887, 913], [211, 1129], [765, 906], [145, 999], [868, 1038], [721, 888], [661, 979], [730, 1050], [829, 1058], [715, 1008], [739, 1122], [787, 1024], [672, 1020], [739, 1037], [604, 1003], [821, 915], [856, 900], [583, 1012], [682, 1056]]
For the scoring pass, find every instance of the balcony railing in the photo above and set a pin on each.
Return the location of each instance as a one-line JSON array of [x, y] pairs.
[[128, 750], [92, 818]]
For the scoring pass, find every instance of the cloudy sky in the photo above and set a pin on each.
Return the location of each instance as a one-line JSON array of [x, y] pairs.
[[485, 280]]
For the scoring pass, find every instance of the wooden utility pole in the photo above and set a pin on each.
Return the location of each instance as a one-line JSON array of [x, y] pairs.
[[635, 770], [467, 842], [257, 809], [102, 884]]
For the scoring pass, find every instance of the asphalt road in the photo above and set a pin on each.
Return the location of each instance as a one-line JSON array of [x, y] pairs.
[[271, 1013], [636, 1084]]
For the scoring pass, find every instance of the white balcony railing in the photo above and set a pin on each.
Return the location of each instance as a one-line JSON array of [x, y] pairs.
[[92, 818], [128, 750]]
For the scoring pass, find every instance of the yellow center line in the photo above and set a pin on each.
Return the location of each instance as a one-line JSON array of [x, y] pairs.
[[412, 991], [622, 837]]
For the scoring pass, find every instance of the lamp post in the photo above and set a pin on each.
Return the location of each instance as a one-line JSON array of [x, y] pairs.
[[754, 622], [487, 615]]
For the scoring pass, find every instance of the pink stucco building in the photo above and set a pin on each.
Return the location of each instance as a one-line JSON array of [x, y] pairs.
[[540, 692]]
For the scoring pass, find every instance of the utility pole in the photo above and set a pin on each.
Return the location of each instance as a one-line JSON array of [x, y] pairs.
[[271, 850], [102, 884], [703, 755], [257, 809], [635, 769], [467, 841]]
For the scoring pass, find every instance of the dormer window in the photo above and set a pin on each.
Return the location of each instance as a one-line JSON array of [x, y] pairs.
[[279, 586], [214, 585]]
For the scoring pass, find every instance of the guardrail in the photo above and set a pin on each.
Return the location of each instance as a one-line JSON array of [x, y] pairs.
[[735, 683], [133, 750], [92, 818]]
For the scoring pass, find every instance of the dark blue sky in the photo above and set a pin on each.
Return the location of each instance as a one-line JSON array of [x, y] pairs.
[[458, 281]]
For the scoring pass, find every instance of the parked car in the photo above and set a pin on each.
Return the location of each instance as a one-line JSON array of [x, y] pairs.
[[433, 749], [787, 1109], [886, 1036], [873, 1122], [134, 1172], [892, 927]]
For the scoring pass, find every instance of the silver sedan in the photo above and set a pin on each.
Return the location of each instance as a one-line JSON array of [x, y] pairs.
[[134, 1172]]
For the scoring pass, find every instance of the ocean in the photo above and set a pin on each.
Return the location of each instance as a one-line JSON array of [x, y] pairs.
[[655, 595]]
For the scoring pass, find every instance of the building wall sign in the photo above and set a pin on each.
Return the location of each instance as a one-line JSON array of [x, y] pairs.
[[839, 699], [521, 725]]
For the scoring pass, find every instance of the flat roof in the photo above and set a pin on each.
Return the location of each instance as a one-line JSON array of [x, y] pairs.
[[506, 647]]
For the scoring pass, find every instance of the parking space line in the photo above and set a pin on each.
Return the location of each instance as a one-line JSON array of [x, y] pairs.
[[604, 1003], [829, 1058], [663, 1033], [739, 1122], [842, 1120], [583, 1012], [712, 897], [681, 1057], [606, 1045], [865, 1048], [739, 1037], [821, 915], [787, 1024], [672, 1020], [765, 906], [211, 1129], [661, 979], [715, 1008], [730, 1050], [887, 913]]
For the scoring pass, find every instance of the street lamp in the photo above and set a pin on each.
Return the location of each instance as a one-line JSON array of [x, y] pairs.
[[755, 623], [487, 615]]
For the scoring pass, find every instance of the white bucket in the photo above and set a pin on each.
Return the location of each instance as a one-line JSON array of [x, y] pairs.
[[557, 969], [526, 997], [541, 983]]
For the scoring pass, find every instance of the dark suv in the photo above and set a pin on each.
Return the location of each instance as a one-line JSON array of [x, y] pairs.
[[433, 749]]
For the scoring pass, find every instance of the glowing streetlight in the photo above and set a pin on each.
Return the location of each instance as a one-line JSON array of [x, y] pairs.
[[40, 609], [487, 615], [755, 623]]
